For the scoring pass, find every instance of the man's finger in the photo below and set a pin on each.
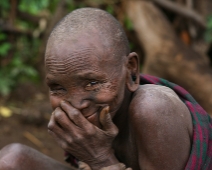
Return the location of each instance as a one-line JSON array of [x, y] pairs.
[[62, 119], [74, 115], [54, 129], [107, 123]]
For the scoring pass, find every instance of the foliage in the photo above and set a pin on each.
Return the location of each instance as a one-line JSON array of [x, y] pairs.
[[19, 52], [4, 47], [17, 70], [33, 6], [4, 8], [208, 33], [128, 24], [110, 9], [4, 5]]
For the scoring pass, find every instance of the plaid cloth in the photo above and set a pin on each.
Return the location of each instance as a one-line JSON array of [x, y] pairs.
[[201, 151]]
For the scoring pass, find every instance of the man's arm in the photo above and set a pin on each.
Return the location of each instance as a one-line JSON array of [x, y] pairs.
[[162, 126], [21, 157]]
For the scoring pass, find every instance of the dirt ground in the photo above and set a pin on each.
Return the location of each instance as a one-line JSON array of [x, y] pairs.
[[28, 125]]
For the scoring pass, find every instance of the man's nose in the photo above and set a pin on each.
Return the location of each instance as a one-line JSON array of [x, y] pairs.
[[79, 102]]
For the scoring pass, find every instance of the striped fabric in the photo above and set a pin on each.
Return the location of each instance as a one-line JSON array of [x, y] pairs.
[[201, 151]]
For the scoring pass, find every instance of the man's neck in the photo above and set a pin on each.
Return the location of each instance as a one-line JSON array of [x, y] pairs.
[[121, 117]]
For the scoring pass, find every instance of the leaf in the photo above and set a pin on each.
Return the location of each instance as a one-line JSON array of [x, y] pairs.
[[208, 36], [209, 22], [5, 4], [3, 36], [128, 23], [5, 112], [33, 6], [6, 82], [4, 48], [110, 9]]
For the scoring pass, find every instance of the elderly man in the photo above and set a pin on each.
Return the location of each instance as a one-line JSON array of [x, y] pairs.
[[106, 115]]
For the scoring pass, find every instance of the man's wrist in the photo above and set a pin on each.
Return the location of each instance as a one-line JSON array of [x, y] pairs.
[[119, 166], [103, 161]]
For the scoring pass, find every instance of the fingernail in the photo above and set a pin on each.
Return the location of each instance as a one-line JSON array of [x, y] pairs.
[[106, 109], [63, 102]]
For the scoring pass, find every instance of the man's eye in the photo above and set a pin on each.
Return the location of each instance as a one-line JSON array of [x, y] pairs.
[[92, 83], [57, 90]]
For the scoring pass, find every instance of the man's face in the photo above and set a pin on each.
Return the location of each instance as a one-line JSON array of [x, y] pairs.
[[84, 74]]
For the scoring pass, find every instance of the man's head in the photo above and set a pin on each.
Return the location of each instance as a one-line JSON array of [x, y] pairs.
[[91, 21], [88, 62]]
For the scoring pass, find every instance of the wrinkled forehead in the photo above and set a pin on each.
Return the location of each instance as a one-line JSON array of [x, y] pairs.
[[86, 50], [65, 62], [70, 43], [85, 37], [76, 55]]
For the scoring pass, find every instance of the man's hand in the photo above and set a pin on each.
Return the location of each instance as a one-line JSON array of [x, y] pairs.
[[76, 135]]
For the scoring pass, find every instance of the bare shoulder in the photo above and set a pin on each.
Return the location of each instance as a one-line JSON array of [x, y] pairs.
[[162, 126], [160, 102]]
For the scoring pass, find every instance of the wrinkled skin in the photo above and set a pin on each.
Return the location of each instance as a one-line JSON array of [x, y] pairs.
[[86, 82], [102, 117], [81, 93]]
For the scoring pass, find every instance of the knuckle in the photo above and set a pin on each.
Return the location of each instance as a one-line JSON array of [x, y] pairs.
[[69, 140], [79, 138], [51, 126], [58, 115], [64, 145], [114, 131], [75, 114], [67, 143], [50, 132], [91, 132], [57, 109]]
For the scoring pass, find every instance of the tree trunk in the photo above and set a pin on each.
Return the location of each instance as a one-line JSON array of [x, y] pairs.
[[166, 56]]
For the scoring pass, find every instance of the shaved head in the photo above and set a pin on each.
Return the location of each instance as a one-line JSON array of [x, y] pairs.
[[91, 21]]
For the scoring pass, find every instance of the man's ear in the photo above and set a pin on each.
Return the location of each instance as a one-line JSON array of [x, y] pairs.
[[132, 79]]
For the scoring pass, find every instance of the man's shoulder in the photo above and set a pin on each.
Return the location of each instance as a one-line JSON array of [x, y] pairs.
[[161, 125], [156, 103], [152, 96]]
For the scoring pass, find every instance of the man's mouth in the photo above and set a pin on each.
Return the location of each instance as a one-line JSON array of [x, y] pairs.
[[97, 111], [90, 116], [94, 117]]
